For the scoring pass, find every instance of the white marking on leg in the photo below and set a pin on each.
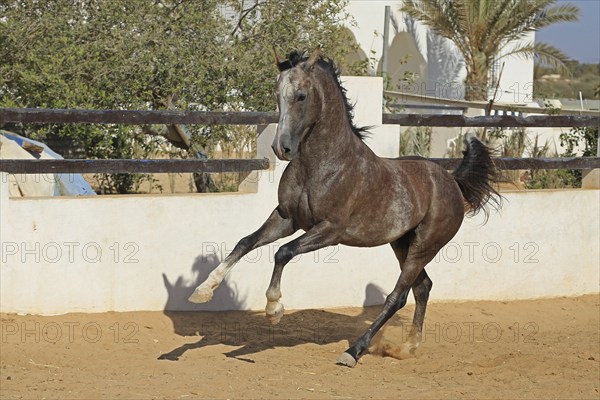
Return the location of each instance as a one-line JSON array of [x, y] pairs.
[[204, 292], [274, 312], [347, 360], [274, 308]]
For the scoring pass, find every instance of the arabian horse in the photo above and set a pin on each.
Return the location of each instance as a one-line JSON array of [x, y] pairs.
[[338, 191]]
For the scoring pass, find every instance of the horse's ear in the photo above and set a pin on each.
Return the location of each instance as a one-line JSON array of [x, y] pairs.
[[278, 57], [314, 57], [281, 62]]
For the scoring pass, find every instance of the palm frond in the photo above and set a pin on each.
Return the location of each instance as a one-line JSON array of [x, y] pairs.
[[533, 15], [554, 15], [543, 53], [441, 16], [499, 21]]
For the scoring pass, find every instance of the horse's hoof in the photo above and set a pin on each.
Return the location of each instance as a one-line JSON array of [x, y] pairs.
[[347, 360], [201, 296], [408, 350], [275, 317]]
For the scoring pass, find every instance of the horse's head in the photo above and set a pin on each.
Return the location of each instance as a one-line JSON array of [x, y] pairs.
[[299, 103]]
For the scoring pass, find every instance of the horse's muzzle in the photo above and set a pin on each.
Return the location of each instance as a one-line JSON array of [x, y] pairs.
[[282, 147], [282, 153]]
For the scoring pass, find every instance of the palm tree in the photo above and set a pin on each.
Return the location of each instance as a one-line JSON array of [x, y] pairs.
[[486, 30]]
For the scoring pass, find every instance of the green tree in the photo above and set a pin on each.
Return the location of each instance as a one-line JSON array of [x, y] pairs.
[[484, 30], [210, 55], [96, 54]]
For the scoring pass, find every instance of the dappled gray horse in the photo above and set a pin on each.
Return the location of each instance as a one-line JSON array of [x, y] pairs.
[[338, 191]]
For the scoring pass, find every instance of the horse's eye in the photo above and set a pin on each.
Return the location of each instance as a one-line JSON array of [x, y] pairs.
[[301, 96]]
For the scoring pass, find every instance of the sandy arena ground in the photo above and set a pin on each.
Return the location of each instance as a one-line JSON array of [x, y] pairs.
[[521, 349]]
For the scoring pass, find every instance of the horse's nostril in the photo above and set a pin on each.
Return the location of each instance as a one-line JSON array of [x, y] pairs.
[[281, 151]]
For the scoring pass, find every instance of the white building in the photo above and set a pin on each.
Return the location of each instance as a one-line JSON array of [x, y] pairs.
[[437, 63]]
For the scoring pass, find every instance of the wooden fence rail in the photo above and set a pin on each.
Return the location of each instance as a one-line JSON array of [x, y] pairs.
[[499, 121], [130, 166], [238, 165], [135, 117], [140, 117]]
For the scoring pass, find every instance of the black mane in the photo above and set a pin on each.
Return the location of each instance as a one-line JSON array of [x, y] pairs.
[[297, 57]]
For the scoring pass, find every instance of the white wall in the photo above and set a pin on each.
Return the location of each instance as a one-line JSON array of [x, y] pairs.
[[148, 252], [369, 16], [365, 94], [516, 83]]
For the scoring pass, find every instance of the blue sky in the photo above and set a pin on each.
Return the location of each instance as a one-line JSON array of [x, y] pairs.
[[578, 40]]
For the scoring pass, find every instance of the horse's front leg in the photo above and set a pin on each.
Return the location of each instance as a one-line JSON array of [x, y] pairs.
[[275, 227], [320, 236]]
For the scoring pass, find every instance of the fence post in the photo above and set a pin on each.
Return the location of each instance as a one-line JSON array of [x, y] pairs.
[[591, 177]]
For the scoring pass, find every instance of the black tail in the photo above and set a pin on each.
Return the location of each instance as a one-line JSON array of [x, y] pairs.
[[475, 176]]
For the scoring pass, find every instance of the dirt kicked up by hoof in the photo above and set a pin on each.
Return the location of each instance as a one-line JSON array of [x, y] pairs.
[[201, 296], [346, 360]]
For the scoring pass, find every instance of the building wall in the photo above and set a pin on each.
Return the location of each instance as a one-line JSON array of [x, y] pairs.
[[149, 252], [436, 60]]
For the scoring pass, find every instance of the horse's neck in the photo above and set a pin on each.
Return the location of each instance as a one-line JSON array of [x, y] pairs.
[[332, 144]]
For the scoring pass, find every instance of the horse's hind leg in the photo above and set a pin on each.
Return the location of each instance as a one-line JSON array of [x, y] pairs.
[[424, 244], [275, 227], [421, 288]]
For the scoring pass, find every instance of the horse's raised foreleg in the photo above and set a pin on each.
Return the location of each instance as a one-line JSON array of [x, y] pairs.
[[275, 227], [320, 236]]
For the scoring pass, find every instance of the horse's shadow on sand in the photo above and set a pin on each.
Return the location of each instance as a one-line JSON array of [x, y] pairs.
[[249, 331]]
